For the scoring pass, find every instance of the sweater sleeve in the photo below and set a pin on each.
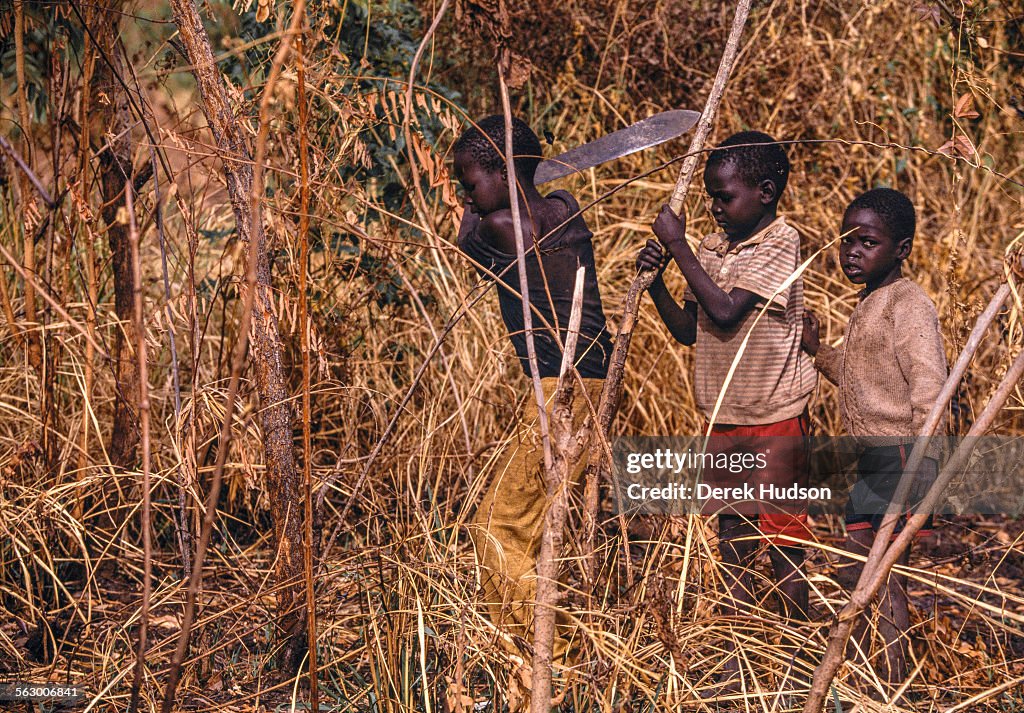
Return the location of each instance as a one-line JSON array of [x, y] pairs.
[[829, 361], [920, 354]]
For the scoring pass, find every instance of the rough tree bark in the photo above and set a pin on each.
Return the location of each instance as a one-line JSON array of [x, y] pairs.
[[27, 198], [112, 130], [283, 483]]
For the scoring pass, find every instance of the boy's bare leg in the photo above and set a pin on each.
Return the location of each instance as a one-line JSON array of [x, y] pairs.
[[858, 542], [894, 623], [737, 542], [793, 592], [893, 612]]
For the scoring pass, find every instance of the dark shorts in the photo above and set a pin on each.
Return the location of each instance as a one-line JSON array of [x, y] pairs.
[[878, 475]]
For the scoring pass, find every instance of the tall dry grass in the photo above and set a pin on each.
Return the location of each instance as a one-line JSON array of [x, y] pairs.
[[400, 623]]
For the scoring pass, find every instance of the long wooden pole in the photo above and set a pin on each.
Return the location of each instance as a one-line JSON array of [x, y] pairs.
[[566, 450], [611, 394]]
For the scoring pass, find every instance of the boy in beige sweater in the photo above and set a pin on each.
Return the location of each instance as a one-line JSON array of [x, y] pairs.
[[889, 370]]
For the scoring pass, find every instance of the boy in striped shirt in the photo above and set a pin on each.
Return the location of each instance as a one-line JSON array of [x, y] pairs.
[[734, 274]]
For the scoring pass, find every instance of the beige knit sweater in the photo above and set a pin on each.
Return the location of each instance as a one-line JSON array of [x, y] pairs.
[[890, 366]]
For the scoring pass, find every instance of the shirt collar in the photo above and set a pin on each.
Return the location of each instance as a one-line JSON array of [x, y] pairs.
[[719, 242]]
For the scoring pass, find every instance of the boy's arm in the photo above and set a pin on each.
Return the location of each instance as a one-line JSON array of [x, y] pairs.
[[726, 309], [495, 229], [681, 321], [921, 356], [827, 359], [829, 362]]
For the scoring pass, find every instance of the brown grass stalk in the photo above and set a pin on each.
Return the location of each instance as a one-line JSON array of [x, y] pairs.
[[35, 355], [309, 568], [53, 302], [144, 409]]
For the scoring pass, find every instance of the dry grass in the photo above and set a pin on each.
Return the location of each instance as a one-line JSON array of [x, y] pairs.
[[400, 622]]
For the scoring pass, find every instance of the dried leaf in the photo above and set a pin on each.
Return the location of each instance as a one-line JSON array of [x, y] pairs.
[[1015, 261], [518, 71], [964, 108], [964, 146], [519, 685], [927, 11], [959, 146], [165, 622], [263, 10], [456, 698]]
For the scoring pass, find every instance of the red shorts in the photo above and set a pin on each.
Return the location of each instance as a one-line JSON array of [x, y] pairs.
[[782, 461]]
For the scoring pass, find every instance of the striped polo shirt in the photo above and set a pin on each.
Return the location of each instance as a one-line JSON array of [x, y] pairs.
[[774, 378]]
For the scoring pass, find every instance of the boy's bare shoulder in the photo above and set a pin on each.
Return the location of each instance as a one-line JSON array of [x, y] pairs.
[[498, 230]]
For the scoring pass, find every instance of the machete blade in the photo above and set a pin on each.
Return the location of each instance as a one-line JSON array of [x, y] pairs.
[[643, 134]]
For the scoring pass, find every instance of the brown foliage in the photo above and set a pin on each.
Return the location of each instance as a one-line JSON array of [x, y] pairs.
[[397, 601]]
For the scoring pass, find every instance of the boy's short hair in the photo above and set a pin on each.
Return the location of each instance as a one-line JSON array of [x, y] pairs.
[[765, 162], [891, 206], [485, 142]]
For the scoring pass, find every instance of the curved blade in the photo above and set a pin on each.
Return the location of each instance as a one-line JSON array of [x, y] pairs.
[[643, 134]]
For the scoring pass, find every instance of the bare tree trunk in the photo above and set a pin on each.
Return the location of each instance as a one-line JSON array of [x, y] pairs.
[[283, 481], [115, 172], [27, 199]]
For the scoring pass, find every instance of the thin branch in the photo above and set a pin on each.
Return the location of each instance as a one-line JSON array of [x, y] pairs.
[[558, 486], [52, 301], [147, 536], [524, 285], [304, 326], [409, 109], [29, 173]]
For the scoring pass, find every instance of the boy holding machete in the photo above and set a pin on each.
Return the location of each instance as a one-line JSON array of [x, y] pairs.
[[508, 523]]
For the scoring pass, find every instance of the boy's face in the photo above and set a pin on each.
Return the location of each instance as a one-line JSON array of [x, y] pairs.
[[739, 208], [868, 253], [485, 191]]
